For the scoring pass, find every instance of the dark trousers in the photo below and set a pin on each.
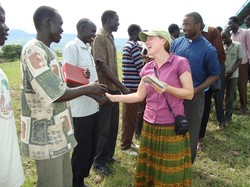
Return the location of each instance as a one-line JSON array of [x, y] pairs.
[[139, 119], [107, 132], [205, 116], [242, 85], [231, 85], [129, 119], [85, 131], [218, 101], [194, 110]]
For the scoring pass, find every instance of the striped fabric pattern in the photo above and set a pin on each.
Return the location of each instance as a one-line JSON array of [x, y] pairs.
[[132, 64], [164, 158]]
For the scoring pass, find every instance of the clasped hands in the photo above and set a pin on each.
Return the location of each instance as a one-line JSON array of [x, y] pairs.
[[97, 92]]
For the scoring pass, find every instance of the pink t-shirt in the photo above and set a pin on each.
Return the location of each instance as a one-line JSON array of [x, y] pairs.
[[156, 110], [243, 36]]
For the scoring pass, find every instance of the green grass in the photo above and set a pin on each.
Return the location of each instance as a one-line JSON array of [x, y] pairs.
[[216, 165]]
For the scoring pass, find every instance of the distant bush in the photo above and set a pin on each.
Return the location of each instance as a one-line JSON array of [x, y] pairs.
[[11, 52], [59, 54]]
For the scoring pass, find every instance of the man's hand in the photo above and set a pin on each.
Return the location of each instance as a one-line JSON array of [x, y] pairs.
[[97, 89], [87, 73], [110, 97], [228, 74], [103, 100]]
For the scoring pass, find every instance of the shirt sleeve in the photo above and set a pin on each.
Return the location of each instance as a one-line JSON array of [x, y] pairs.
[[99, 51], [147, 69], [248, 43], [43, 73], [240, 51], [212, 62], [137, 58], [70, 54], [183, 66]]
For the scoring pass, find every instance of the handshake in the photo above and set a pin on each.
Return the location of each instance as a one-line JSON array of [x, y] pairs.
[[97, 92], [103, 100]]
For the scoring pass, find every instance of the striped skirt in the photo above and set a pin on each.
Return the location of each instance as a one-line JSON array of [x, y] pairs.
[[164, 158]]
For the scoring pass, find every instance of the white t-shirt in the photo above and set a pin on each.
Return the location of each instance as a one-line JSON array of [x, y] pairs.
[[11, 170], [79, 54]]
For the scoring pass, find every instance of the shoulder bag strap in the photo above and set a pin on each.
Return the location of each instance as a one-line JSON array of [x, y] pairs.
[[169, 107]]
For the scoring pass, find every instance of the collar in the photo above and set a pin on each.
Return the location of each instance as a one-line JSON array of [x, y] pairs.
[[238, 31], [205, 29], [82, 44], [173, 38], [168, 61], [196, 39], [106, 33]]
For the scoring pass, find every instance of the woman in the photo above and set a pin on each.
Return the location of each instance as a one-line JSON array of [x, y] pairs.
[[164, 158]]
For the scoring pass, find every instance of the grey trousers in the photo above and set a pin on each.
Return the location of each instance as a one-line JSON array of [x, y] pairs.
[[231, 87], [194, 109], [54, 172]]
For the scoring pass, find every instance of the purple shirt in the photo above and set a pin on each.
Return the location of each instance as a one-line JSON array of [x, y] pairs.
[[156, 110]]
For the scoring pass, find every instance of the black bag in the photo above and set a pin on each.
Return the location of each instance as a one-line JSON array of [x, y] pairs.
[[216, 86], [181, 125]]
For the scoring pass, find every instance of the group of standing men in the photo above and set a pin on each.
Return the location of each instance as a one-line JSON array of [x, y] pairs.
[[48, 131], [47, 128]]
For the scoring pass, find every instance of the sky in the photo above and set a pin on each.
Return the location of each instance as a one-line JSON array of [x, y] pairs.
[[156, 14]]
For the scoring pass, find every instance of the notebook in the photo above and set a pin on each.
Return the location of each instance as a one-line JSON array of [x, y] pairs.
[[73, 74], [152, 79]]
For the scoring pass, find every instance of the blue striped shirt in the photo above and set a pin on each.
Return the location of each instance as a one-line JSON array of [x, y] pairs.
[[132, 64]]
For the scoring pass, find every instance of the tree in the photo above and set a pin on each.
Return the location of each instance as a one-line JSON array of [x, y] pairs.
[[11, 52]]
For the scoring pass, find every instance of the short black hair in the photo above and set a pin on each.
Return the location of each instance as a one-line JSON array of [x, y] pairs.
[[107, 14], [226, 32], [219, 28], [197, 17], [173, 27], [82, 22], [132, 28], [234, 19], [42, 13]]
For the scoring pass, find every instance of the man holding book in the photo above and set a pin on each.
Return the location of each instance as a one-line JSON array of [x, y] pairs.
[[84, 109]]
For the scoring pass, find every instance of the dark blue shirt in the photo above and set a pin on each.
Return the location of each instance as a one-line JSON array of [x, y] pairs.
[[202, 56]]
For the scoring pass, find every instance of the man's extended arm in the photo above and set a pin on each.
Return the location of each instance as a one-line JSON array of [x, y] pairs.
[[110, 76], [89, 89]]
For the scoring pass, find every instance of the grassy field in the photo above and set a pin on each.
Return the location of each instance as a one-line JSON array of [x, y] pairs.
[[224, 160]]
